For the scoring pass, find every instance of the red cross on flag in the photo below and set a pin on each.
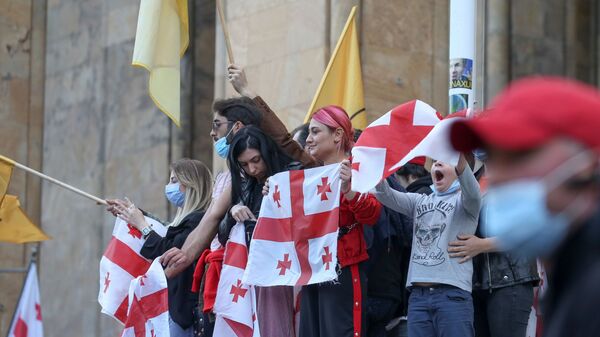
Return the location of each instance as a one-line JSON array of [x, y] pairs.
[[27, 320], [388, 140], [120, 264], [436, 144], [295, 239], [235, 305], [148, 311]]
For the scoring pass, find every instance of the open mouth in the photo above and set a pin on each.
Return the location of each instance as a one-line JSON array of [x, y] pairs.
[[438, 176]]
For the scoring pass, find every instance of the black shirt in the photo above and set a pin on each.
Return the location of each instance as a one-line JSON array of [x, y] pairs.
[[389, 253], [421, 185], [570, 305], [181, 298]]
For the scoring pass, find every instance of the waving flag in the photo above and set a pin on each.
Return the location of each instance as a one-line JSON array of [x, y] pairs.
[[295, 238], [6, 166], [342, 82], [148, 311], [15, 226], [235, 305], [120, 264], [27, 321], [388, 140], [161, 38], [435, 145]]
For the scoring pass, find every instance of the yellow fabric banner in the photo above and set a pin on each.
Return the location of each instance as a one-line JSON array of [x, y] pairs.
[[161, 39], [15, 226], [342, 83], [6, 166]]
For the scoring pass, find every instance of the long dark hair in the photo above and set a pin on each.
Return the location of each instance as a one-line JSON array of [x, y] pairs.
[[252, 137]]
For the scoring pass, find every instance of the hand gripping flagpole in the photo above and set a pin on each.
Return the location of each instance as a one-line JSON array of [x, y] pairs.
[[53, 180]]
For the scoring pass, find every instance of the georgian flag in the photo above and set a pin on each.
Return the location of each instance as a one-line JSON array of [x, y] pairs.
[[27, 321], [235, 304], [120, 264], [295, 239], [388, 140], [148, 310], [436, 144]]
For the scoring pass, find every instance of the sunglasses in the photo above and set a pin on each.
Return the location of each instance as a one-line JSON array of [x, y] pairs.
[[217, 124]]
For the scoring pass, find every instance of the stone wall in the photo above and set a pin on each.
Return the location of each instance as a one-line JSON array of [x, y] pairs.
[[104, 135], [22, 26], [72, 105]]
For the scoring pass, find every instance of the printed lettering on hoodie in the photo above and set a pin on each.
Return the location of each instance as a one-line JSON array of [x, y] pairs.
[[431, 221]]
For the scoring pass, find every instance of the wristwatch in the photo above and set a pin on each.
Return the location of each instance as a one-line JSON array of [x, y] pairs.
[[146, 230]]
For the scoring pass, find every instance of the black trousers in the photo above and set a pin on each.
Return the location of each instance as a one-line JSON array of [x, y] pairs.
[[504, 312], [328, 309], [380, 311]]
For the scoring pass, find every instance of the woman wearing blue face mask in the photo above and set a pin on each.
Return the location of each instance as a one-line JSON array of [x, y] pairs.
[[189, 189]]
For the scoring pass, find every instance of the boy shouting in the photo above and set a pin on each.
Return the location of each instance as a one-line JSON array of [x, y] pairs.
[[440, 302]]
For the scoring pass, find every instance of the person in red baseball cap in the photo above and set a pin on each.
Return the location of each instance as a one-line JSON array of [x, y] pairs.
[[542, 138]]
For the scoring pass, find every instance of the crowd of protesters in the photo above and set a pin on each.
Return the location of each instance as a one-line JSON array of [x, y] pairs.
[[433, 250]]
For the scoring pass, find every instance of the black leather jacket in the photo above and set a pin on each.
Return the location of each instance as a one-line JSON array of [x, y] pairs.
[[498, 270]]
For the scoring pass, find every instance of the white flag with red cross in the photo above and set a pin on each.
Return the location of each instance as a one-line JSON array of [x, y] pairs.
[[388, 140], [436, 144], [235, 306], [120, 264], [148, 309], [295, 239], [27, 321]]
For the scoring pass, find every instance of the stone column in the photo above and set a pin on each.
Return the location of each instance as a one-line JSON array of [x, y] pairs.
[[497, 47], [339, 11], [580, 40], [203, 81]]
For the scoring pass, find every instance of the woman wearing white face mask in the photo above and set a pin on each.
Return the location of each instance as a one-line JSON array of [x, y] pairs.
[[189, 189]]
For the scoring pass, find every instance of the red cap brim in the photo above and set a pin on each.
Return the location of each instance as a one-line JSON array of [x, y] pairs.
[[501, 133]]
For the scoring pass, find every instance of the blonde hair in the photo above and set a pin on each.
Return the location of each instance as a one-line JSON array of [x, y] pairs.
[[197, 180]]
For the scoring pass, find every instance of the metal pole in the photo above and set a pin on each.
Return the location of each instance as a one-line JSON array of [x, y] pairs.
[[462, 54]]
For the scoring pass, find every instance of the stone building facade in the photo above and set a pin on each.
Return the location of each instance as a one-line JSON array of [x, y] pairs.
[[72, 106]]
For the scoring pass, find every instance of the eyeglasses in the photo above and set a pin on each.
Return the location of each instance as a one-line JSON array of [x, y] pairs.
[[217, 124]]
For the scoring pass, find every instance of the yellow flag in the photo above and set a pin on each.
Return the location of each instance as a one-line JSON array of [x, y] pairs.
[[15, 226], [6, 166], [342, 83], [161, 38]]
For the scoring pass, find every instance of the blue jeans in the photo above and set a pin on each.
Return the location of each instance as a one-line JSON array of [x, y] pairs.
[[440, 311], [177, 331]]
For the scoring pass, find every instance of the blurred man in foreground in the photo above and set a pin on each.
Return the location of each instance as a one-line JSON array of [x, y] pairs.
[[542, 137]]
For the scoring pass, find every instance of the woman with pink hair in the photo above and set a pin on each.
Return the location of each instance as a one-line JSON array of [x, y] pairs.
[[331, 308], [336, 308]]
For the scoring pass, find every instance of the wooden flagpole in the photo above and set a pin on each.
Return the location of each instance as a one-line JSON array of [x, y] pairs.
[[55, 181], [225, 31]]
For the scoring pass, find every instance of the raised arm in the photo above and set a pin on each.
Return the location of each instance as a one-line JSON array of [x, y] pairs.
[[270, 123], [470, 196], [400, 202]]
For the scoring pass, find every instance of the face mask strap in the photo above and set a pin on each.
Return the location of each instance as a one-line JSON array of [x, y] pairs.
[[566, 170], [229, 132]]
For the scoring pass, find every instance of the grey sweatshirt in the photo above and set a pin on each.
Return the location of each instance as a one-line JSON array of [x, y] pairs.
[[438, 219]]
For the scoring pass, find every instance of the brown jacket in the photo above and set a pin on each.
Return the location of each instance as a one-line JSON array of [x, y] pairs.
[[272, 126]]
